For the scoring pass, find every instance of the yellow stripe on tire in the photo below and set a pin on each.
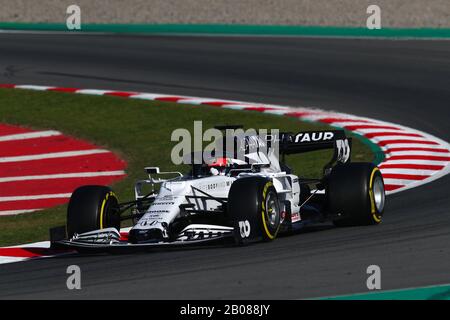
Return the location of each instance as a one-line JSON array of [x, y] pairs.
[[263, 215], [102, 210], [373, 208]]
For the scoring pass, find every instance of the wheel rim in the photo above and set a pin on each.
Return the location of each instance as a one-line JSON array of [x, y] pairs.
[[111, 219], [378, 194], [272, 210]]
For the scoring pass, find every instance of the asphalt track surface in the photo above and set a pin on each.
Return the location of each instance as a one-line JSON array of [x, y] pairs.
[[406, 82]]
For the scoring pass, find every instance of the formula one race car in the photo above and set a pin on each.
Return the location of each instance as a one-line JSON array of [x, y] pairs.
[[226, 197]]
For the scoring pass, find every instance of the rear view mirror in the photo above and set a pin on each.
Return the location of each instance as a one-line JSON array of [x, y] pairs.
[[152, 170]]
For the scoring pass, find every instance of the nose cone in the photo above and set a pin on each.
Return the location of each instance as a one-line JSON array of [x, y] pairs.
[[176, 187], [145, 235]]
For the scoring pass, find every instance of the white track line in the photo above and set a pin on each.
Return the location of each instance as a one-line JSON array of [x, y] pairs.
[[414, 161], [52, 155], [414, 145], [418, 153], [366, 131], [151, 96], [403, 182], [15, 212], [4, 260], [36, 197], [407, 171], [92, 92], [33, 87], [29, 135], [40, 244], [64, 176], [392, 137], [241, 107]]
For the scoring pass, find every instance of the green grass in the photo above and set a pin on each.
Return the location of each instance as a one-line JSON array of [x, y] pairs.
[[139, 132]]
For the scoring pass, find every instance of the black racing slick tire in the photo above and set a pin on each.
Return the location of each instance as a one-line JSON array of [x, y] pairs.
[[356, 193], [254, 208], [92, 208]]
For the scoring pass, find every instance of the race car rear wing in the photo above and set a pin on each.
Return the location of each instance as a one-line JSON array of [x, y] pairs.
[[308, 141]]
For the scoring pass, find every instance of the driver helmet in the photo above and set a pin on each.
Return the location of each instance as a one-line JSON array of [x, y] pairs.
[[220, 164]]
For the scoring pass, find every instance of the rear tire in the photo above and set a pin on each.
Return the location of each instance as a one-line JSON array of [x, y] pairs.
[[356, 191], [253, 203], [92, 208]]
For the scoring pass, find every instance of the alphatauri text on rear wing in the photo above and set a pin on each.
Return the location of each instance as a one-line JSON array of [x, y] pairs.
[[307, 141]]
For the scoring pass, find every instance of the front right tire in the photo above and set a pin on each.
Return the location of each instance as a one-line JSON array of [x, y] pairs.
[[253, 206]]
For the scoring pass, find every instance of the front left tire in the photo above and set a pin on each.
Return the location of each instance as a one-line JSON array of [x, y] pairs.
[[92, 208]]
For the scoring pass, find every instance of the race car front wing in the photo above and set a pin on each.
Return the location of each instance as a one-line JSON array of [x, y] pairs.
[[110, 240]]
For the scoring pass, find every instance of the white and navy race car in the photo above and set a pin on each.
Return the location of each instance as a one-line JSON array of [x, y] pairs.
[[227, 198]]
